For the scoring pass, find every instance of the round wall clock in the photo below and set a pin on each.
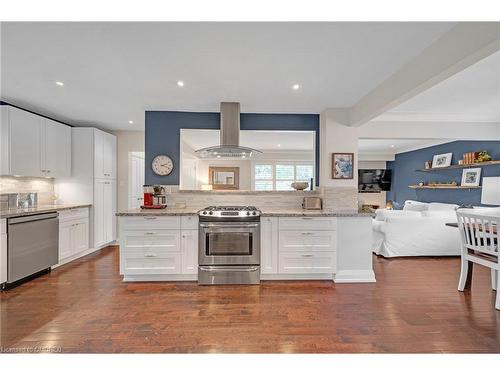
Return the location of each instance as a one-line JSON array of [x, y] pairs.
[[162, 165]]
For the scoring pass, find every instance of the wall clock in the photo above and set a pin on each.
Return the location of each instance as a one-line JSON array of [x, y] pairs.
[[162, 165]]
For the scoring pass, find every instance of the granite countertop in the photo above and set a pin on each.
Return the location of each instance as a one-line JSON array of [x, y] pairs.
[[314, 213], [4, 214], [171, 211]]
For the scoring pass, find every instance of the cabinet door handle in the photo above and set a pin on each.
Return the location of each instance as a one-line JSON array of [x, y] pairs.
[[306, 233], [307, 218], [149, 217], [307, 255], [150, 233], [149, 255]]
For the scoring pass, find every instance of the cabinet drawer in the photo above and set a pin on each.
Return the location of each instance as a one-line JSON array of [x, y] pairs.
[[292, 240], [73, 214], [307, 262], [150, 222], [151, 262], [308, 223], [189, 222], [166, 240]]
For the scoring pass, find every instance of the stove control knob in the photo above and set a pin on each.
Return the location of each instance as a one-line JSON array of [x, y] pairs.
[[204, 212], [254, 213], [248, 213], [211, 213]]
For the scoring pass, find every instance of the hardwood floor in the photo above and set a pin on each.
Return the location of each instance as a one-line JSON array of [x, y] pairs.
[[414, 307]]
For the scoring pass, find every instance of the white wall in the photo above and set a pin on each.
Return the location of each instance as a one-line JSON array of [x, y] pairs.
[[337, 138], [126, 141], [372, 198]]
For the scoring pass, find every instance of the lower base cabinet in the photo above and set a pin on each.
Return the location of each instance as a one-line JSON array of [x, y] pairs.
[[73, 233], [298, 247], [158, 248]]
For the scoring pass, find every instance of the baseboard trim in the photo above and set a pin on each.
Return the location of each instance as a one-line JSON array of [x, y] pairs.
[[297, 276], [145, 278], [355, 276], [80, 255]]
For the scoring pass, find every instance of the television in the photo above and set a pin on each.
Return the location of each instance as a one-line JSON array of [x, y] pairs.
[[374, 180]]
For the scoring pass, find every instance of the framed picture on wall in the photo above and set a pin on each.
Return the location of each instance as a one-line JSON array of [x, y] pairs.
[[471, 176], [442, 160], [343, 166]]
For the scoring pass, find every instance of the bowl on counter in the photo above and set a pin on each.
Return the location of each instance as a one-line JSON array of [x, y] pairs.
[[300, 185]]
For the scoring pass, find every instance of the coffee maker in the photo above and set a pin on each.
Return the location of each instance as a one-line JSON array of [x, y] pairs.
[[154, 196]]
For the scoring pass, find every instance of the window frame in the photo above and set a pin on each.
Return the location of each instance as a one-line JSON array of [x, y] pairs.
[[274, 163]]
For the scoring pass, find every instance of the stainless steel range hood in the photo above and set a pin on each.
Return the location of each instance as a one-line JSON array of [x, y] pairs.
[[229, 136]]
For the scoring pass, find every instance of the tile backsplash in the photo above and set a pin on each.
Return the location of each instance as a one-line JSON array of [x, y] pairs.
[[43, 186], [336, 198]]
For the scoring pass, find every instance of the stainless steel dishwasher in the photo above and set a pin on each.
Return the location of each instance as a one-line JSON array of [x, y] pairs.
[[32, 244]]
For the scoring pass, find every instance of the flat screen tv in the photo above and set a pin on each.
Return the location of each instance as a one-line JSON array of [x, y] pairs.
[[374, 180]]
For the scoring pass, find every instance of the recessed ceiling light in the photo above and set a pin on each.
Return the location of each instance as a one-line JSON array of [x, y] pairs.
[[296, 86], [279, 145], [392, 146], [59, 83], [218, 156], [130, 122], [180, 83]]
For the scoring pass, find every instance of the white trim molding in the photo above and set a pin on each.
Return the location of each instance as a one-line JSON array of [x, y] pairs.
[[354, 276]]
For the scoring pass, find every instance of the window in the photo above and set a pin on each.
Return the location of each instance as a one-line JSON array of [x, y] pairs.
[[281, 175]]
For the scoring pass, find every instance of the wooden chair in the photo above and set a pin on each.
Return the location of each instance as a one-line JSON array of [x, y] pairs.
[[480, 243]]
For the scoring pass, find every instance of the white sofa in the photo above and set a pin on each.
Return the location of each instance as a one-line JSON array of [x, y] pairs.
[[418, 230]]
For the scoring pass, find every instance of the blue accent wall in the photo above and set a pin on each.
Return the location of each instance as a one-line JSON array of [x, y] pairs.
[[405, 165], [162, 134]]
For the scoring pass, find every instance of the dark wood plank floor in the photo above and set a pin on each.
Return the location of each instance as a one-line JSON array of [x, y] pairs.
[[414, 307]]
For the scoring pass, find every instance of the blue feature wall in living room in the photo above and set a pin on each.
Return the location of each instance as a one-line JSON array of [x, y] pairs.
[[405, 165], [162, 134]]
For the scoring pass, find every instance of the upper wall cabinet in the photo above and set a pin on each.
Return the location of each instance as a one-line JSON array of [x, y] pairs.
[[34, 146], [104, 155]]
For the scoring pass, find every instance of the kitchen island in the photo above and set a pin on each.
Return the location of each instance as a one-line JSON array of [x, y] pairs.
[[296, 244]]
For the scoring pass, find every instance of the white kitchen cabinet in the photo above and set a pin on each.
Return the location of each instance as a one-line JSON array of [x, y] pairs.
[[3, 251], [25, 142], [104, 154], [312, 240], [156, 248], [269, 245], [307, 262], [73, 233], [55, 149], [33, 145], [189, 249], [104, 212]]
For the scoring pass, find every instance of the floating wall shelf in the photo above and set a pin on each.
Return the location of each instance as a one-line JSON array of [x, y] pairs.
[[443, 187], [461, 166]]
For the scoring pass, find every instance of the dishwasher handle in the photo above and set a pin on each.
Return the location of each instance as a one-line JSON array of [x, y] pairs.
[[30, 218]]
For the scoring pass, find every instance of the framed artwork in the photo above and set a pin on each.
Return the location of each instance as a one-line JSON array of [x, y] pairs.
[[224, 178], [471, 176], [343, 166], [442, 160]]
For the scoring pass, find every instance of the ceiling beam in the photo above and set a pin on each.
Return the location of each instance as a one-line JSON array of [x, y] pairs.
[[461, 47]]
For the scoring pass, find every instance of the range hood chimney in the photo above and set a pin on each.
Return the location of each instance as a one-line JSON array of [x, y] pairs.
[[229, 136]]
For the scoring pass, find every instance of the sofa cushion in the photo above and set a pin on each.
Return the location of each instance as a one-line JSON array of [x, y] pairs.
[[442, 207], [415, 206], [444, 214], [383, 214]]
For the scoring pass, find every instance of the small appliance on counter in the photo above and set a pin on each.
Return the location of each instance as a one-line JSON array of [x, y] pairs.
[[154, 197], [312, 203]]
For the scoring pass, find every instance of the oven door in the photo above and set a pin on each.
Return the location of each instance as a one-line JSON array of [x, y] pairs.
[[229, 243]]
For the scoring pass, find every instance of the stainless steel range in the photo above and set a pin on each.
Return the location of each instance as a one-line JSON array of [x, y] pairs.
[[229, 245]]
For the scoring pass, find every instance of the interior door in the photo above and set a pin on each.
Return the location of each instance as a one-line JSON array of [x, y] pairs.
[[136, 180]]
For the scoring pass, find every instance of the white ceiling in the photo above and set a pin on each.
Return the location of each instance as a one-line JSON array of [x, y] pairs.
[[113, 72], [257, 139], [472, 95], [395, 146]]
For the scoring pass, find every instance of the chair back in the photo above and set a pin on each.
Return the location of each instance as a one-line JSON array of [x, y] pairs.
[[479, 232]]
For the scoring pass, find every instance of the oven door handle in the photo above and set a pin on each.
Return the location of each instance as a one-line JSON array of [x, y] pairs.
[[228, 269]]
